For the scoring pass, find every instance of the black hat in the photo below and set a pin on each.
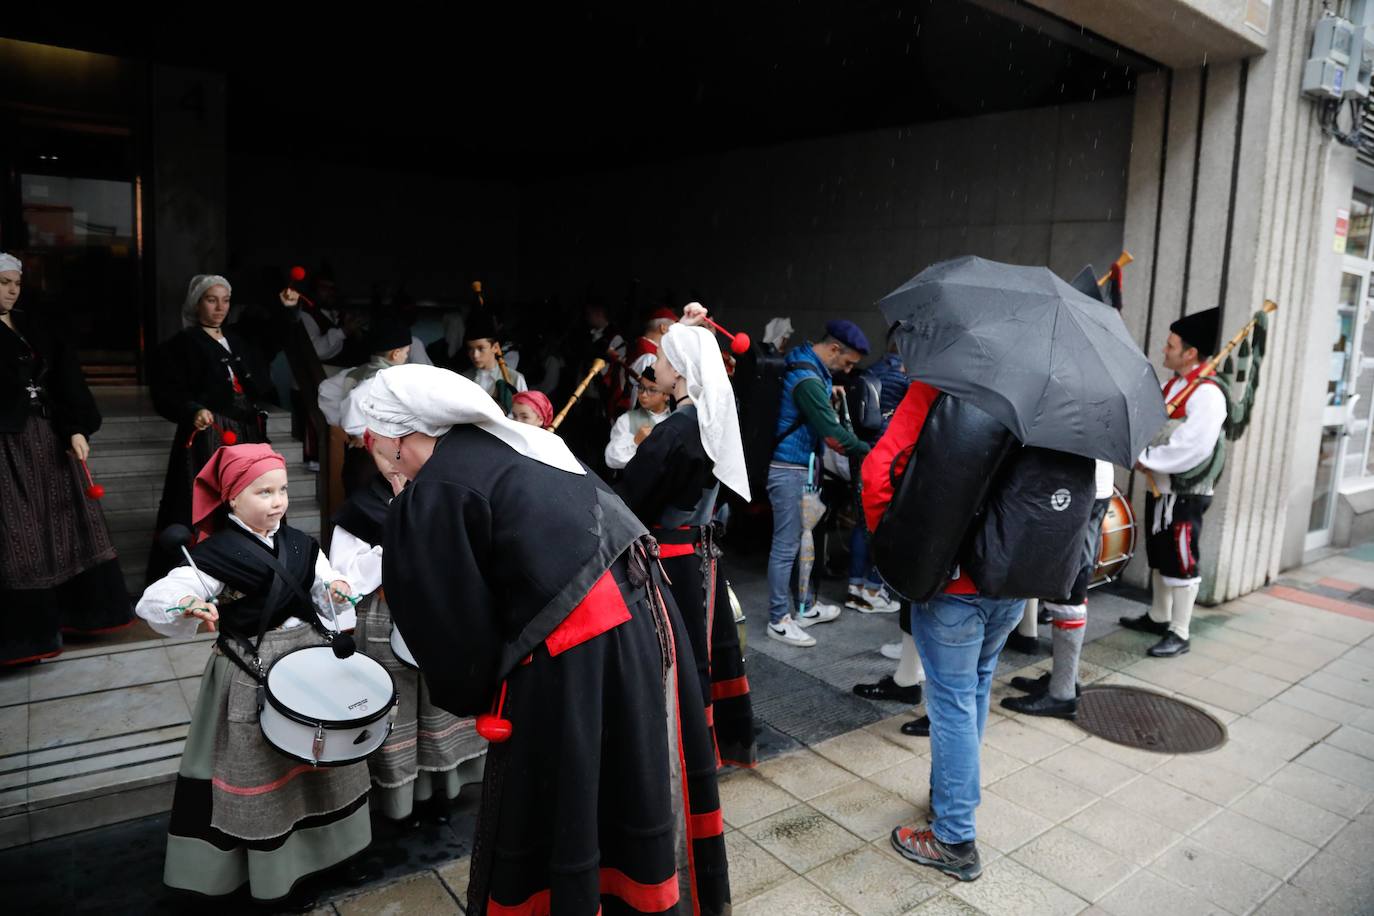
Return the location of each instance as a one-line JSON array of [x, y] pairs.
[[386, 335], [481, 325], [1199, 330]]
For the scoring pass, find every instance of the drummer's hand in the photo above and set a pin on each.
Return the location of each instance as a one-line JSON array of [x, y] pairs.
[[693, 315], [203, 419], [289, 297], [80, 447], [195, 607], [341, 589]]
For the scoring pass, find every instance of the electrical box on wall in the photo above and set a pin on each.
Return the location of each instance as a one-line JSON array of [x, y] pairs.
[[1337, 49]]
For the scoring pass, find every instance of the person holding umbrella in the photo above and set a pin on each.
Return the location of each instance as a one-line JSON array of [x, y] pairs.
[[1059, 372], [805, 420]]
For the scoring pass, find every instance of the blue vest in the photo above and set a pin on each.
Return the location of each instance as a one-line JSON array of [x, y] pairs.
[[803, 441]]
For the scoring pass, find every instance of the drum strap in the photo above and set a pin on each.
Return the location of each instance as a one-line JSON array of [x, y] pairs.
[[282, 577]]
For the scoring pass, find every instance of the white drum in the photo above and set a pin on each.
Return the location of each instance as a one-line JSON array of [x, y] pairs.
[[324, 710], [401, 650]]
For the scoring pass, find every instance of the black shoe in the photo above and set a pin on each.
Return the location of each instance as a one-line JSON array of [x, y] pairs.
[[1143, 624], [300, 900], [1042, 704], [888, 689], [1172, 644], [1026, 645], [1044, 618], [359, 872], [1038, 685], [917, 728]]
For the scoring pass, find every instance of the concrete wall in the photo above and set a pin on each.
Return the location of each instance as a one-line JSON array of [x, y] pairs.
[[823, 228], [435, 234], [1179, 33], [188, 199], [1225, 206]]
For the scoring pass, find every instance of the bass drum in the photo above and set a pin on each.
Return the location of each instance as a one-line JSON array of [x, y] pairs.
[[324, 710], [1118, 541]]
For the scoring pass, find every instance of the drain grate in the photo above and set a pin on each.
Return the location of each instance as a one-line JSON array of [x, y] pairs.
[[1148, 721]]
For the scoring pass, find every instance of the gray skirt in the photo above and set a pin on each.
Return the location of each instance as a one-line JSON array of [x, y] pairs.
[[430, 753], [243, 812]]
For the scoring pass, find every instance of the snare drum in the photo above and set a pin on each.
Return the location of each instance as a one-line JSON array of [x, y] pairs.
[[400, 649], [1118, 541], [324, 710]]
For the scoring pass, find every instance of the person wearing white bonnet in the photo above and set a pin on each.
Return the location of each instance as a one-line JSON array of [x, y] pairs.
[[673, 485], [527, 593], [58, 569], [777, 332], [211, 381]]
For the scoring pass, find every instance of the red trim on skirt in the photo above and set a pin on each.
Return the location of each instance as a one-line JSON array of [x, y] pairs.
[[734, 687], [648, 898], [705, 826]]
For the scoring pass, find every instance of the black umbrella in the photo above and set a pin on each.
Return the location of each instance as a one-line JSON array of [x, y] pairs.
[[1055, 366]]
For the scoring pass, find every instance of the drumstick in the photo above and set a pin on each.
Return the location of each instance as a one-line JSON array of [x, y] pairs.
[[597, 366]]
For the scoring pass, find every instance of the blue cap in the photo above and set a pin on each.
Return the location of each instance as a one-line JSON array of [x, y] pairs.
[[848, 333]]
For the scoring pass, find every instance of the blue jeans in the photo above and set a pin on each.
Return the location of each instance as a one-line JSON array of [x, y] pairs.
[[861, 568], [785, 487], [959, 638]]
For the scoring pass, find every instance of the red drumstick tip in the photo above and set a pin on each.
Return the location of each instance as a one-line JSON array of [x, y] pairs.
[[229, 437], [95, 491], [297, 274], [739, 344]]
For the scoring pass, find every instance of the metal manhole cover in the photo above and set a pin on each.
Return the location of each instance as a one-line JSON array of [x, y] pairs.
[[1148, 721]]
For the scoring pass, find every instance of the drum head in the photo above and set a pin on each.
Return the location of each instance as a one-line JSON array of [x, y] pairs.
[[314, 685]]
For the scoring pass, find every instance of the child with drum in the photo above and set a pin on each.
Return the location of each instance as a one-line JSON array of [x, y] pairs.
[[251, 807], [430, 754]]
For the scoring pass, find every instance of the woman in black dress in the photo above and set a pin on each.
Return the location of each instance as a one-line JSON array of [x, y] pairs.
[[58, 570], [673, 484], [207, 379]]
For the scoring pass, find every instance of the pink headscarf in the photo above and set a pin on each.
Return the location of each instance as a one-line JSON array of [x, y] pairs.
[[537, 400], [227, 474]]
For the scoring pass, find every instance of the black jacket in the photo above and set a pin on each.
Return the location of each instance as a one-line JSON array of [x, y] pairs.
[[45, 358], [190, 371]]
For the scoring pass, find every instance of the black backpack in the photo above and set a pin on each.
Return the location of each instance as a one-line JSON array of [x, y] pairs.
[[935, 501], [1029, 539], [758, 383]]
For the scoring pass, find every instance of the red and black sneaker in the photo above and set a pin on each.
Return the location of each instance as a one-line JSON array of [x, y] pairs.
[[923, 847]]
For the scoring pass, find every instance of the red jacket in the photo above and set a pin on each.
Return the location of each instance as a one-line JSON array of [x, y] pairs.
[[879, 470]]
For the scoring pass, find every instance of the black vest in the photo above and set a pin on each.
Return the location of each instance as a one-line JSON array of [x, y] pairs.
[[240, 561]]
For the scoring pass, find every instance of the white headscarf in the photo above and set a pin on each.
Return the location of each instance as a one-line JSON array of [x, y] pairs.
[[199, 284], [692, 351], [426, 399], [10, 262], [776, 330]]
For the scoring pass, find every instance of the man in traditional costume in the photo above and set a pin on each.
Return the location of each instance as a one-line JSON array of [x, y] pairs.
[[1182, 468]]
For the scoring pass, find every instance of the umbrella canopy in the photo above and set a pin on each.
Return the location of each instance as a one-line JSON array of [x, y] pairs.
[[1056, 367]]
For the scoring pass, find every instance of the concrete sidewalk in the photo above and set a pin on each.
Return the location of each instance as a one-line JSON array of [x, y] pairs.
[[1276, 821]]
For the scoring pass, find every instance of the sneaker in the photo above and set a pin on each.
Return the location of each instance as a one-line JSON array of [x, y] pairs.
[[880, 602], [820, 612], [892, 650], [921, 846], [856, 602], [787, 631]]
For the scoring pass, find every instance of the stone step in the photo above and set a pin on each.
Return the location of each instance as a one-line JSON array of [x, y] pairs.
[[95, 736], [151, 458], [134, 490], [119, 431]]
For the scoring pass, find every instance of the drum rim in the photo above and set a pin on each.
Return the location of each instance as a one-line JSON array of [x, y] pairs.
[[294, 716], [329, 763]]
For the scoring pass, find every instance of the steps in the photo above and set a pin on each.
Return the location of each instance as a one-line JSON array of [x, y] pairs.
[[129, 458]]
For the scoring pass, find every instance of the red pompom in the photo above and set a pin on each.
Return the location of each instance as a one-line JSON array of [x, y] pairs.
[[230, 437], [740, 343], [494, 728], [95, 491], [297, 274]]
